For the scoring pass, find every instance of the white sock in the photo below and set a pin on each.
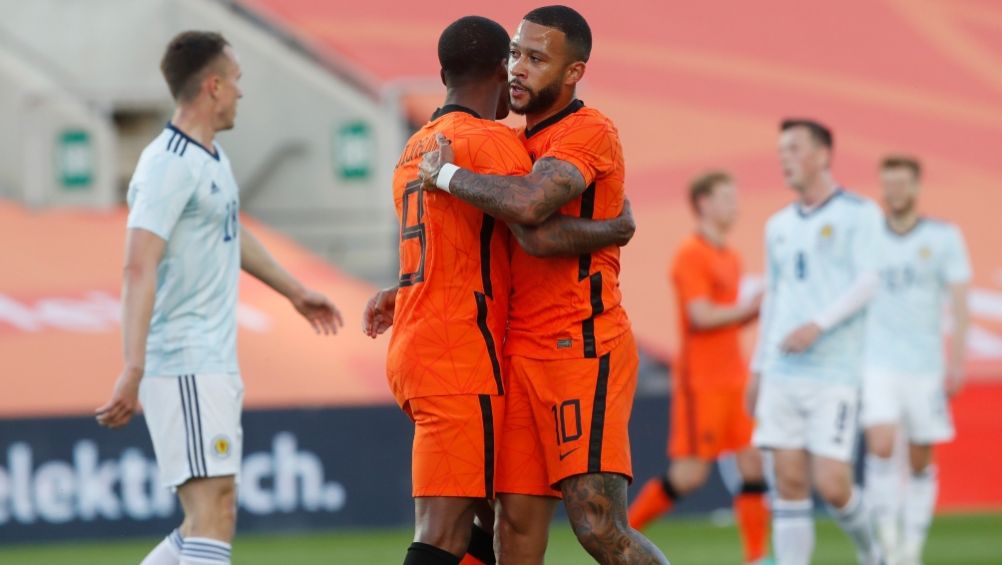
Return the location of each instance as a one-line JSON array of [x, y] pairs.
[[205, 551], [792, 531], [920, 502], [883, 489], [854, 519], [167, 552]]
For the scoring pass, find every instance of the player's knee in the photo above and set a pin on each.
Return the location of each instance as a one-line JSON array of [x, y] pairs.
[[834, 490]]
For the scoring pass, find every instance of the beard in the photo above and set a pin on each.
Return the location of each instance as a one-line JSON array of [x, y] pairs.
[[540, 100]]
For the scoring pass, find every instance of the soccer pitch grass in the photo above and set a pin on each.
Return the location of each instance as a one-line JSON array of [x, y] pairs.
[[955, 540]]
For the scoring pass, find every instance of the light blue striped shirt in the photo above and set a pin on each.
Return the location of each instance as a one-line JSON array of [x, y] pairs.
[[186, 194]]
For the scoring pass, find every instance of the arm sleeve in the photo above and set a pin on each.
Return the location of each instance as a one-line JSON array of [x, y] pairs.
[[958, 265], [866, 255], [766, 312], [500, 153], [852, 301], [160, 195], [590, 147]]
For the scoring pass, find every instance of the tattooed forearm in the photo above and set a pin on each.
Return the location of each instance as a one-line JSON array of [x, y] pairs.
[[596, 506], [529, 199], [567, 236]]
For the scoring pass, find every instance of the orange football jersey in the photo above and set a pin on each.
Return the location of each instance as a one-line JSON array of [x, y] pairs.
[[564, 308], [454, 266], [708, 360]]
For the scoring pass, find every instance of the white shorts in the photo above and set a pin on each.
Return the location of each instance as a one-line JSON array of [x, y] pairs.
[[799, 414], [917, 401], [194, 422]]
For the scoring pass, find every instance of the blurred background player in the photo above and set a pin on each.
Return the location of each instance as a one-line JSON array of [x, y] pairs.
[[571, 351], [709, 412], [184, 251], [820, 272], [450, 308], [907, 382]]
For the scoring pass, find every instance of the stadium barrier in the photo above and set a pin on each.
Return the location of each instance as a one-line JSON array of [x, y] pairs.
[[66, 478]]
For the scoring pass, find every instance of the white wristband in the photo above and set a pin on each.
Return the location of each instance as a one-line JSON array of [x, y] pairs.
[[445, 176]]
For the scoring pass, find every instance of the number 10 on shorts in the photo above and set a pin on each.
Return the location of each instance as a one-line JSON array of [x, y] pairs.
[[567, 421]]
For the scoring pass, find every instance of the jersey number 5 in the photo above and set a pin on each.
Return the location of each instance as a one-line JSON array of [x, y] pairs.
[[412, 228]]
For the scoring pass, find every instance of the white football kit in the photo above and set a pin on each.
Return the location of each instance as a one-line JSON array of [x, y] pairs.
[[905, 368], [191, 392], [810, 400]]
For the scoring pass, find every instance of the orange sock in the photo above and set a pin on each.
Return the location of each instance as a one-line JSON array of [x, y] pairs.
[[753, 521], [654, 500], [470, 560]]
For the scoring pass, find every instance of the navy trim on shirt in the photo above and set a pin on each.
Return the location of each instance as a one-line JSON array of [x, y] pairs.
[[187, 139]]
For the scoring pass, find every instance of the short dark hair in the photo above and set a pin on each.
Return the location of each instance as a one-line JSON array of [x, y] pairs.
[[571, 23], [820, 133], [902, 162], [704, 184], [187, 55], [472, 48]]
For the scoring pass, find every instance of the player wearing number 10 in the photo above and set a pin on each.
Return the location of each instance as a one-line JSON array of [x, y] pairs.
[[821, 270]]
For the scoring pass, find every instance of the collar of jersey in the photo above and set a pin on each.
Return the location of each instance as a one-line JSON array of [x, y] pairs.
[[449, 108], [172, 127], [574, 106], [911, 230], [806, 214]]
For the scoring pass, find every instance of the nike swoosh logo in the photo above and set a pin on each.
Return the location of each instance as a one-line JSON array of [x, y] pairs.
[[565, 455]]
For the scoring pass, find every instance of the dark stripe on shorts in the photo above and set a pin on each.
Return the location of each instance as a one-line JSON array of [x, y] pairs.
[[486, 234], [187, 426], [485, 332], [200, 453], [487, 412], [598, 416]]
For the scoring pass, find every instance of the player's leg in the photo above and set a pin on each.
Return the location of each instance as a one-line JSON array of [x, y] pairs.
[[596, 508], [833, 427], [781, 429], [480, 550], [881, 415], [660, 494], [210, 515], [792, 510], [526, 500], [453, 472], [883, 485], [587, 405], [920, 502], [194, 422], [929, 422], [687, 470], [167, 552], [524, 527], [750, 506]]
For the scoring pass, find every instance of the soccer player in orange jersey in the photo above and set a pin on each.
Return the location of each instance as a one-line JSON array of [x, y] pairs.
[[451, 305], [572, 357], [709, 414]]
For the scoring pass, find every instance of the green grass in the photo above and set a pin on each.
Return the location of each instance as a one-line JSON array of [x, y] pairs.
[[968, 540]]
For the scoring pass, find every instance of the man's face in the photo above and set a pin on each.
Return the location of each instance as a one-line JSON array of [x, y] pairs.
[[536, 67], [721, 206], [901, 189], [226, 89], [801, 157]]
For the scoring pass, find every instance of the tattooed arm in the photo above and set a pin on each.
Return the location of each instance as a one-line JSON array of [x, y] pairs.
[[567, 236], [527, 200]]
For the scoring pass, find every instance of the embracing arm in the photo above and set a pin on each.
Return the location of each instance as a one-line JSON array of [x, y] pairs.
[[567, 236]]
